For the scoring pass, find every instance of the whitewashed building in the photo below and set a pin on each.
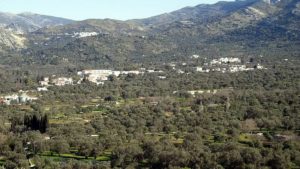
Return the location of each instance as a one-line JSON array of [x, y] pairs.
[[62, 81]]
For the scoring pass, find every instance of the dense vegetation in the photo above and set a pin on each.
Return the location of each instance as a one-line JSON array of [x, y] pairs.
[[136, 121]]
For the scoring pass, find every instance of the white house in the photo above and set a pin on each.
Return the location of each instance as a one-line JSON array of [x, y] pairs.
[[61, 81], [42, 89], [195, 56], [45, 81], [162, 77], [15, 98]]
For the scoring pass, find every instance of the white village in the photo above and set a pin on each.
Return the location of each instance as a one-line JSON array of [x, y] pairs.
[[99, 76]]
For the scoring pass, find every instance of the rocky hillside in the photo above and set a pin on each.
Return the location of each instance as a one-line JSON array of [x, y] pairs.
[[10, 40]]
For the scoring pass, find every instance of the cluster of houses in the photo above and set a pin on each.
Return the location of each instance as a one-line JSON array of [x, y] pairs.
[[99, 76], [225, 60], [94, 76], [225, 65], [229, 68], [201, 69], [19, 98], [208, 91], [60, 81], [194, 92], [84, 34]]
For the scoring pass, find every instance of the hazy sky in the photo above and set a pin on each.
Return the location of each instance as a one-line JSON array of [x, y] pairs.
[[83, 9]]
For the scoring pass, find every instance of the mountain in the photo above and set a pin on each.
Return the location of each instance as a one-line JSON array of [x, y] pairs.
[[29, 22], [272, 23], [239, 28], [105, 26], [201, 12], [232, 27], [14, 28]]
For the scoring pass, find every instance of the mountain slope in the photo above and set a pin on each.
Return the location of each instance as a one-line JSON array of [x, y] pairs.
[[203, 13], [284, 24], [239, 28], [29, 22], [106, 26]]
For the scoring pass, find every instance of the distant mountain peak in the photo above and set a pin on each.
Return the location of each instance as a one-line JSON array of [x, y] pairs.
[[29, 22], [27, 13], [271, 1]]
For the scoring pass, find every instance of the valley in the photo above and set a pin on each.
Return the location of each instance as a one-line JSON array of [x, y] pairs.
[[214, 86]]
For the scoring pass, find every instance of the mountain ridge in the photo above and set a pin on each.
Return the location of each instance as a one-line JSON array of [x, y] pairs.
[[29, 22], [237, 28]]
